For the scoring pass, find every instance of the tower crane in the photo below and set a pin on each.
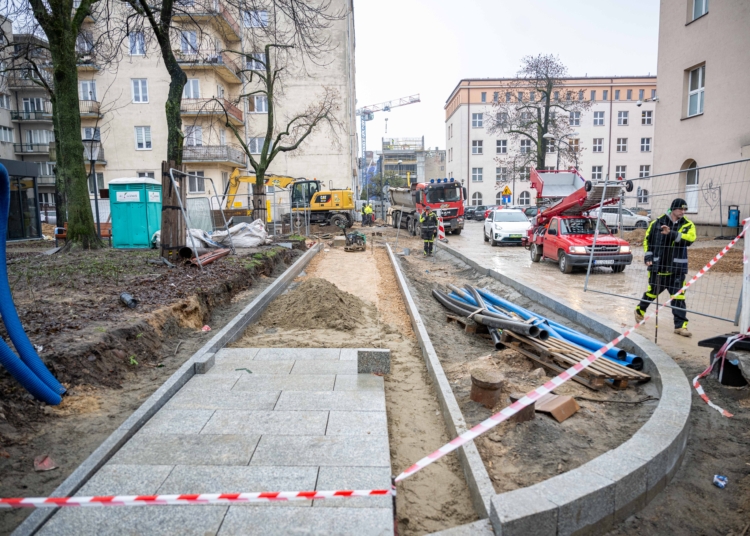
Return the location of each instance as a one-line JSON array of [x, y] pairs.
[[366, 113]]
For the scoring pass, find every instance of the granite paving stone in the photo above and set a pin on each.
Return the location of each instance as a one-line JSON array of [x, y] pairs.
[[223, 400], [333, 478], [177, 421], [374, 360], [231, 364], [238, 353], [357, 423], [348, 354], [324, 367], [299, 354], [354, 451], [285, 382], [330, 521], [165, 449], [359, 382], [218, 382], [267, 422], [116, 479], [331, 400]]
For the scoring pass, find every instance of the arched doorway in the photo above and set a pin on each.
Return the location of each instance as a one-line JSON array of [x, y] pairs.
[[692, 180]]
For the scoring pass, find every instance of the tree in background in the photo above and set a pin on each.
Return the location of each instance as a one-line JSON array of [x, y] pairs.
[[378, 183]]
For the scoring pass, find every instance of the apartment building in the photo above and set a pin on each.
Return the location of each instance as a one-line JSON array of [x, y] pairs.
[[615, 136], [704, 63], [400, 156]]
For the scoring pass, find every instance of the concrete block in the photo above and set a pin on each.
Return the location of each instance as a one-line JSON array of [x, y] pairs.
[[324, 367], [338, 242], [331, 400], [630, 476], [332, 478], [354, 451], [223, 400], [374, 360], [178, 421], [359, 382], [244, 521], [151, 520], [348, 354], [483, 527], [267, 422], [285, 382], [236, 353], [115, 479], [302, 354], [523, 511], [232, 364], [204, 363], [357, 423], [223, 479], [173, 449]]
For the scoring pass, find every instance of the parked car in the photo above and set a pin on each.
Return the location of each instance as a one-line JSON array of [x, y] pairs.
[[530, 212], [490, 209], [640, 211], [479, 212], [506, 226], [611, 217], [469, 211]]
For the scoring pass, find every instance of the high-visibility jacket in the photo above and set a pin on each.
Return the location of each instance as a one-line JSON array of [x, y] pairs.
[[368, 209], [429, 224], [668, 252]]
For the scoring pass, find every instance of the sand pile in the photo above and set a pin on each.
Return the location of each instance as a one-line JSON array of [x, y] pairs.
[[315, 303], [635, 237]]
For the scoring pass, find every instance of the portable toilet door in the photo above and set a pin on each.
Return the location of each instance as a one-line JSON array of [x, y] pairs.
[[135, 205]]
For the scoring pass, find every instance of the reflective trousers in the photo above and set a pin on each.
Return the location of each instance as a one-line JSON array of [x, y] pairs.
[[672, 283]]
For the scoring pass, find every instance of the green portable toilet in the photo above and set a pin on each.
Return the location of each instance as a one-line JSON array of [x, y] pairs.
[[135, 205]]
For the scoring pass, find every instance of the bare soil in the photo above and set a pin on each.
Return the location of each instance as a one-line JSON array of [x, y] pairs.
[[366, 294]]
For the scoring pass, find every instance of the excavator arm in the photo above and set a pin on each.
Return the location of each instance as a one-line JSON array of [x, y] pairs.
[[235, 179]]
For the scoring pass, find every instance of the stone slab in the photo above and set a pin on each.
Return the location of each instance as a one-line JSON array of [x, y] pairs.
[[301, 354], [213, 382], [483, 527], [359, 382], [222, 479], [357, 423], [630, 476], [117, 479], [245, 521], [231, 364], [267, 422], [324, 367], [348, 354], [376, 361], [353, 451], [523, 511], [174, 449], [331, 400], [177, 421], [223, 400], [332, 478], [585, 500], [236, 353], [285, 382]]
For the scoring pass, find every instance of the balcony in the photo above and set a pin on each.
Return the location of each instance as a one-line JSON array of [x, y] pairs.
[[212, 11], [18, 81], [196, 107], [39, 116], [224, 65], [224, 154], [45, 180], [100, 159], [86, 59], [31, 148], [89, 108]]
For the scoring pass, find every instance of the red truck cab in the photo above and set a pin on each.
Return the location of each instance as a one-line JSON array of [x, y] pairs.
[[445, 195]]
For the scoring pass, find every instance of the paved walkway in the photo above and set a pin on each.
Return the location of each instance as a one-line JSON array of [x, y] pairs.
[[290, 419]]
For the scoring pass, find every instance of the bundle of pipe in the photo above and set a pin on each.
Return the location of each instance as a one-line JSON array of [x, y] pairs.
[[555, 329]]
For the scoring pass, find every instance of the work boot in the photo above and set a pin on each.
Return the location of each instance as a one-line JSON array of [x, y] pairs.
[[683, 332], [638, 316]]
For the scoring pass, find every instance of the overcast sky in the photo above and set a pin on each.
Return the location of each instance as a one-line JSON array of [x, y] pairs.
[[406, 47]]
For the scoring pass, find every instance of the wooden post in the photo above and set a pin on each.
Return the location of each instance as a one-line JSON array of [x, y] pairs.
[[173, 234]]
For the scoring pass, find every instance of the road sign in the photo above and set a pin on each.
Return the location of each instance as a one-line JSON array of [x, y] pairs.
[[506, 191], [506, 200]]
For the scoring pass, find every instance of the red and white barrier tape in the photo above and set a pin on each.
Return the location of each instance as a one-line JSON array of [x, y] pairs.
[[720, 355], [479, 429]]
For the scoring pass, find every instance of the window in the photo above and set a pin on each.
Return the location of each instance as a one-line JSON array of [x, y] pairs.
[[568, 96], [192, 89], [476, 120], [85, 43], [575, 119], [484, 96], [645, 145], [524, 173], [550, 148], [91, 133], [525, 116], [557, 96], [222, 137], [697, 80], [598, 119], [622, 145], [137, 44], [593, 95], [255, 145], [99, 182], [499, 198], [617, 94], [476, 199], [143, 138], [525, 146], [219, 91], [476, 174], [520, 96], [196, 184], [501, 146], [524, 198], [622, 118], [257, 61], [700, 8], [259, 104], [477, 147], [645, 171], [532, 96], [6, 135], [4, 99], [46, 198], [507, 96], [580, 95], [653, 93], [574, 145], [140, 90], [596, 173], [189, 42], [641, 94], [87, 90], [146, 175], [605, 94], [495, 96], [501, 174], [194, 136], [256, 19], [502, 118], [630, 94], [621, 172], [642, 195], [647, 117], [597, 146]]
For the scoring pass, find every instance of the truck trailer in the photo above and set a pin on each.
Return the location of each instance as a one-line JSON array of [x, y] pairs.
[[445, 196]]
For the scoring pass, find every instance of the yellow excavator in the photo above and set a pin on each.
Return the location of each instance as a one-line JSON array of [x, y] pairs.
[[331, 206]]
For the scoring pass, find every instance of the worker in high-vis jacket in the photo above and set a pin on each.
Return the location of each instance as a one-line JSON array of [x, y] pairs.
[[429, 224], [368, 215], [666, 243]]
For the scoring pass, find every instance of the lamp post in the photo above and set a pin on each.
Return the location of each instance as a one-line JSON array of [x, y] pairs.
[[93, 146], [549, 136]]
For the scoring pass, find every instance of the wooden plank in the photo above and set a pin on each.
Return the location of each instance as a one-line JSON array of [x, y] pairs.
[[595, 384]]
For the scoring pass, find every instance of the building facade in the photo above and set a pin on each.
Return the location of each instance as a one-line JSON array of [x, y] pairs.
[[400, 157], [615, 137]]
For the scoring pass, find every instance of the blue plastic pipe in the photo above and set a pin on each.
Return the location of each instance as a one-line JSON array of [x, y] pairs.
[[29, 370]]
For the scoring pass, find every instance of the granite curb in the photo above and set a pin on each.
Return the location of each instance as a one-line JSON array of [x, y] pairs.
[[615, 485], [200, 362]]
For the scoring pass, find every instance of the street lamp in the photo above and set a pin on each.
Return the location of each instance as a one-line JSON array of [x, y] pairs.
[[549, 136], [93, 146]]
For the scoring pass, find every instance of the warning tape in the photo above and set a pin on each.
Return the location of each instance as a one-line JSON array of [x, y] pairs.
[[720, 355], [479, 429]]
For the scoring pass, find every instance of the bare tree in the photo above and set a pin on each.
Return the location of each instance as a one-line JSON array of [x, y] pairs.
[[536, 104]]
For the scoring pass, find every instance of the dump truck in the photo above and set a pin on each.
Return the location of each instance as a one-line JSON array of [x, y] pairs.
[[445, 196]]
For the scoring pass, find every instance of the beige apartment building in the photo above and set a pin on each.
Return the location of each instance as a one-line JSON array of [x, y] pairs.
[[704, 68], [615, 137]]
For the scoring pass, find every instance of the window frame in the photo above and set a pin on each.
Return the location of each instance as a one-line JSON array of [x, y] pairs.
[[194, 85], [256, 99], [699, 92], [149, 141], [134, 42], [622, 145], [250, 17], [597, 147], [191, 177], [140, 82], [624, 172], [623, 118], [477, 174], [647, 117], [501, 146], [501, 174], [477, 120], [704, 12], [476, 199], [596, 173], [524, 146], [643, 173], [524, 198], [645, 145], [599, 118], [575, 119]]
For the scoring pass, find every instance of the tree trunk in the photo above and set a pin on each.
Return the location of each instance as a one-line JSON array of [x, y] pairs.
[[178, 79], [61, 201], [259, 197]]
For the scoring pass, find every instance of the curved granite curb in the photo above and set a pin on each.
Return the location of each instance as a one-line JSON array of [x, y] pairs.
[[198, 363], [613, 486]]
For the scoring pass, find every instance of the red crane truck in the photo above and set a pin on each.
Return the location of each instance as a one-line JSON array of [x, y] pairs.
[[561, 232], [446, 195]]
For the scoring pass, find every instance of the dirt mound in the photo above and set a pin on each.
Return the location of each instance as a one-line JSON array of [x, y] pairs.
[[315, 303], [635, 237]]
